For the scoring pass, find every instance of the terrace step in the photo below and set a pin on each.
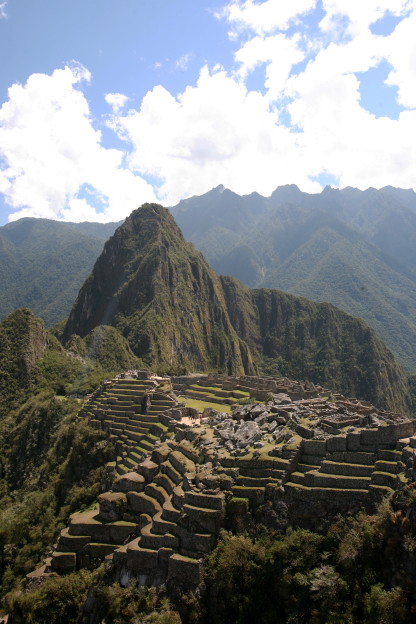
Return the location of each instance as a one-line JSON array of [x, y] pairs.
[[140, 502], [255, 494], [343, 493], [162, 526], [164, 481], [149, 539], [254, 481], [170, 512], [97, 550], [346, 469], [318, 479], [208, 519], [122, 469], [297, 477], [157, 492], [387, 466], [167, 468], [305, 467], [64, 562], [386, 479], [181, 463], [380, 491], [389, 455], [140, 559], [71, 543]]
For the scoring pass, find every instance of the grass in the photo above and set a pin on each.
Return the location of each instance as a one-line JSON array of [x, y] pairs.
[[201, 405], [202, 388]]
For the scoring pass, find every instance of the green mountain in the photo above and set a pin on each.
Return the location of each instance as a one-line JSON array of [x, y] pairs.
[[355, 249], [43, 263], [162, 296], [176, 314]]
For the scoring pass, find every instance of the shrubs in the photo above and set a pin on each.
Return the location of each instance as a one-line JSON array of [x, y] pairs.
[[360, 572], [42, 457], [83, 597], [57, 601]]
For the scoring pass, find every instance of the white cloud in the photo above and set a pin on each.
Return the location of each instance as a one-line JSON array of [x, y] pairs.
[[360, 14], [265, 17], [214, 132], [183, 62], [402, 56], [219, 131], [278, 52], [117, 101], [3, 13], [49, 150], [338, 133]]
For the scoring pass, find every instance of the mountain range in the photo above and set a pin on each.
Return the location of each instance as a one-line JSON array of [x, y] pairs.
[[355, 249]]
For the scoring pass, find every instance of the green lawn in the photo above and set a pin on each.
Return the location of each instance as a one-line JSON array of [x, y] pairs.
[[201, 405]]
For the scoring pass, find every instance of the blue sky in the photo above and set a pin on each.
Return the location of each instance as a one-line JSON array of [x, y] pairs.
[[105, 105]]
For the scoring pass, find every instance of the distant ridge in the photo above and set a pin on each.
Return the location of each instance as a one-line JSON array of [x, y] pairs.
[[43, 264], [355, 249]]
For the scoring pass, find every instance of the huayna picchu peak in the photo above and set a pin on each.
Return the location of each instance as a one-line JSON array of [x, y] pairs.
[[178, 315], [162, 296]]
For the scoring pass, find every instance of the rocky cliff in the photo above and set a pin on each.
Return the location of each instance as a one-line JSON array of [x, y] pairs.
[[23, 342]]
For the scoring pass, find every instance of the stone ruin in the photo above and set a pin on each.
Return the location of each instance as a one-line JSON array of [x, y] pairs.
[[294, 454]]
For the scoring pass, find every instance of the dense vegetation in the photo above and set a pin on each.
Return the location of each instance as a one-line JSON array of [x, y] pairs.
[[51, 462], [90, 598], [43, 264], [351, 248], [361, 571]]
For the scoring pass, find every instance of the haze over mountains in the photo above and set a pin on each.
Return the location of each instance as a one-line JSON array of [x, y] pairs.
[[355, 249], [43, 264]]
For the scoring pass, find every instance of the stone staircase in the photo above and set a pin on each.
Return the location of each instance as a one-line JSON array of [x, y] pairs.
[[179, 522], [256, 480]]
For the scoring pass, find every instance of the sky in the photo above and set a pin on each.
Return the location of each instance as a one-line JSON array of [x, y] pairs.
[[105, 105]]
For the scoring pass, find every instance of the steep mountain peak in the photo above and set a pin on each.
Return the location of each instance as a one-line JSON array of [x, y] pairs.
[[286, 193], [161, 295]]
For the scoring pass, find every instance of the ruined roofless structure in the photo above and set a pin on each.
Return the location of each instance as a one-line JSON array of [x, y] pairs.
[[294, 454]]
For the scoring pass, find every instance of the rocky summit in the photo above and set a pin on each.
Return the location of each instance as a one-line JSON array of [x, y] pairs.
[[276, 451]]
